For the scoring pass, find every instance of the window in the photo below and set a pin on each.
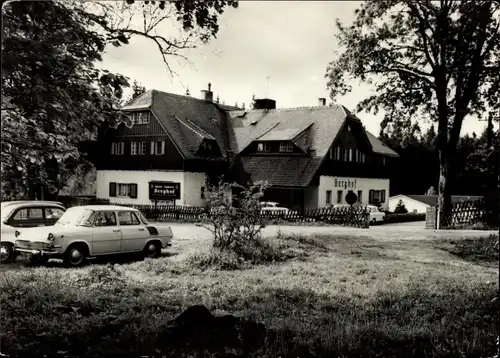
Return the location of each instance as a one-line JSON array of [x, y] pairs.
[[363, 157], [383, 160], [53, 213], [337, 153], [264, 147], [134, 146], [350, 155], [360, 196], [158, 147], [203, 192], [128, 218], [286, 147], [28, 214], [117, 148], [348, 128], [206, 145], [377, 197], [105, 218], [142, 148], [123, 190], [339, 196], [346, 155], [140, 117], [328, 197]]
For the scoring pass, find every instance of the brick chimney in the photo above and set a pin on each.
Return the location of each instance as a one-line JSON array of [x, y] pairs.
[[321, 102], [208, 95]]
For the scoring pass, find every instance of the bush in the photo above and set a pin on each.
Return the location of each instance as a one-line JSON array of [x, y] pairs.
[[234, 221], [482, 249], [400, 208], [401, 218]]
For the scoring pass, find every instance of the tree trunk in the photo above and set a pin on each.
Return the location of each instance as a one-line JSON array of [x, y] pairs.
[[52, 169], [444, 192]]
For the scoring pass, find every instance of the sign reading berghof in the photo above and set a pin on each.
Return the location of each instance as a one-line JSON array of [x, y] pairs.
[[164, 190], [345, 183]]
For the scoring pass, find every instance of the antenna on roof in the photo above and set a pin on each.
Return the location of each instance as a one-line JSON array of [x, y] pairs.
[[266, 90], [187, 92]]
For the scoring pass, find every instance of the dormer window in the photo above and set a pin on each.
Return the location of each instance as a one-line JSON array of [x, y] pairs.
[[206, 145], [264, 147], [286, 147], [140, 117]]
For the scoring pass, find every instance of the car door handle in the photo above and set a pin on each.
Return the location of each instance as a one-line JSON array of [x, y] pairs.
[[117, 230], [141, 229]]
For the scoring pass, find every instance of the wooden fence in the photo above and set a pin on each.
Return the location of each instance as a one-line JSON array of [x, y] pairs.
[[470, 213], [344, 216]]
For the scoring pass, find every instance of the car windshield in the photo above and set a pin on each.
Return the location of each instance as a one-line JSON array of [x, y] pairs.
[[77, 217]]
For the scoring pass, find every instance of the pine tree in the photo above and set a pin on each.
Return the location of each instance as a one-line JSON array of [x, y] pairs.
[[400, 208]]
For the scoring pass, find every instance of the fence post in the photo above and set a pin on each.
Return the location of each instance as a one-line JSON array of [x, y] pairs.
[[430, 218]]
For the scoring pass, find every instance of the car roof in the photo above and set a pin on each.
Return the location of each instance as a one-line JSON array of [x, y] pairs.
[[27, 203], [106, 207]]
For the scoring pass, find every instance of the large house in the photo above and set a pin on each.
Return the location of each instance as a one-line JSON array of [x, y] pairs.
[[311, 157]]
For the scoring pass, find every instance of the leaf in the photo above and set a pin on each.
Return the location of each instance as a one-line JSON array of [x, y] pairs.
[[116, 43]]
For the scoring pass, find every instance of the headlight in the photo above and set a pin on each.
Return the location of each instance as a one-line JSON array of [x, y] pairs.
[[51, 237]]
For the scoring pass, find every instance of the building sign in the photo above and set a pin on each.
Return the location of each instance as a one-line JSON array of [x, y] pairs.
[[345, 183], [164, 190]]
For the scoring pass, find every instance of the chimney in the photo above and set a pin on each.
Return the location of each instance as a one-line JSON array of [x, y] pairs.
[[264, 103], [207, 95], [321, 102]]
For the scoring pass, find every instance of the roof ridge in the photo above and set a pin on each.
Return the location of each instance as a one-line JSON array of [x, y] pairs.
[[218, 105], [290, 108]]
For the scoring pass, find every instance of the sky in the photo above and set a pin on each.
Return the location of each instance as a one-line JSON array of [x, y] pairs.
[[273, 49]]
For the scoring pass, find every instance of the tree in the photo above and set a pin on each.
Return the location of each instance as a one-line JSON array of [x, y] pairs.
[[431, 191], [400, 208], [54, 98], [426, 59]]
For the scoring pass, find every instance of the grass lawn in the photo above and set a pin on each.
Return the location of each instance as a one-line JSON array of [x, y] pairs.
[[334, 296]]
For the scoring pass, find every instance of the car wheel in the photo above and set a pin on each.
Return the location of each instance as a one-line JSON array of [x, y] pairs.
[[75, 256], [374, 221], [6, 253], [152, 250]]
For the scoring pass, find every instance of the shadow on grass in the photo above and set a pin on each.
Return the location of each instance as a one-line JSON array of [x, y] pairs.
[[481, 250], [119, 318]]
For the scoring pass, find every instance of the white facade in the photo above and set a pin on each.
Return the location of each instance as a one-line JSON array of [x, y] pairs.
[[412, 205], [332, 190], [190, 185]]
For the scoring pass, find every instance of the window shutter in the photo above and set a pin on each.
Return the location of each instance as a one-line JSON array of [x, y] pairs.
[[113, 148], [382, 196], [153, 147], [162, 147], [133, 191], [112, 189], [370, 197]]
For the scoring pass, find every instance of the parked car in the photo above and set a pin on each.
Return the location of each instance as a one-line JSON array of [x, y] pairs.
[[94, 230], [273, 207], [24, 214], [375, 214]]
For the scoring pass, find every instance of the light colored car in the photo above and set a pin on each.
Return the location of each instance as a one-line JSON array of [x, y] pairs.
[[24, 214], [94, 230], [273, 207], [375, 214]]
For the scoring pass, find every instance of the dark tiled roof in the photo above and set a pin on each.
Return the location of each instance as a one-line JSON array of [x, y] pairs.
[[379, 147], [325, 124], [432, 200], [296, 171], [187, 120]]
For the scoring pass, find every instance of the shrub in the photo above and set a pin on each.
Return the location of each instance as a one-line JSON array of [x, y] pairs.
[[234, 227], [400, 208], [401, 218], [482, 249]]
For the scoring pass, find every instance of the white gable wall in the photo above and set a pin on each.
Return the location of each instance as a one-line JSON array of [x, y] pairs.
[[410, 204]]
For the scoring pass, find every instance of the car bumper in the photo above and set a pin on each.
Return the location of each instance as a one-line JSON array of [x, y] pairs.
[[36, 248], [38, 252]]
